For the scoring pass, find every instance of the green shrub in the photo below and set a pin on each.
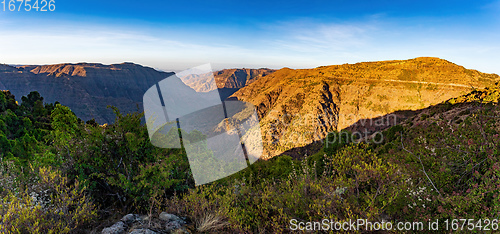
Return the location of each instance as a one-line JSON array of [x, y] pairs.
[[393, 132], [122, 168], [453, 167], [356, 184], [50, 205], [336, 140]]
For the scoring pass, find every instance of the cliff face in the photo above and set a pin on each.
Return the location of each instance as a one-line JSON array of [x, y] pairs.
[[298, 107], [86, 88]]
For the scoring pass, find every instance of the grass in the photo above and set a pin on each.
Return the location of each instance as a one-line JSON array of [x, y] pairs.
[[210, 222]]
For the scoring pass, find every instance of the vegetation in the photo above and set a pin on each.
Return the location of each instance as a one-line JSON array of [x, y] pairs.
[[60, 174], [92, 169]]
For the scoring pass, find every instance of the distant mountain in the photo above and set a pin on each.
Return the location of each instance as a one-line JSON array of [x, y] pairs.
[[298, 107], [227, 81], [87, 88], [239, 78]]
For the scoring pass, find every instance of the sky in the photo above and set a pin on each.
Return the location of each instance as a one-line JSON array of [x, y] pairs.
[[176, 35]]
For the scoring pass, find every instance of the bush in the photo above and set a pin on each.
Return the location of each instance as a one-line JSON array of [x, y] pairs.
[[355, 184], [452, 167], [393, 132], [121, 167], [336, 140], [52, 204]]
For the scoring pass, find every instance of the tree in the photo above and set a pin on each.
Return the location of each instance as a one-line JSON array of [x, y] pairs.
[[65, 125], [32, 98]]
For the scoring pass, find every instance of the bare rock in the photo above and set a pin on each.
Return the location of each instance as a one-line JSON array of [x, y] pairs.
[[172, 221], [168, 217], [130, 218], [142, 231], [117, 228], [173, 225]]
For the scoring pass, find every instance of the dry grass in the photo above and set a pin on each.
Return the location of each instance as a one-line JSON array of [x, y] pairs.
[[210, 222]]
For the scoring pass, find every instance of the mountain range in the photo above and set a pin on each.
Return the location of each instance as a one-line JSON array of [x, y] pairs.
[[88, 88], [296, 107]]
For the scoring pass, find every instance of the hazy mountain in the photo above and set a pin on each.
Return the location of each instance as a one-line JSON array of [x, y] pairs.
[[297, 107], [87, 88], [227, 81]]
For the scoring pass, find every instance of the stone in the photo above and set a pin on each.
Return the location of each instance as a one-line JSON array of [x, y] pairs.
[[173, 225], [169, 217], [130, 218], [173, 221], [142, 231], [117, 228]]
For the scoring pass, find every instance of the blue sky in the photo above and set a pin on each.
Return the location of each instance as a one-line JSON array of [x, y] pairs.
[[175, 35]]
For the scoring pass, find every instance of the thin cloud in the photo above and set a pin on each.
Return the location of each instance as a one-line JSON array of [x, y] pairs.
[[296, 44], [316, 37]]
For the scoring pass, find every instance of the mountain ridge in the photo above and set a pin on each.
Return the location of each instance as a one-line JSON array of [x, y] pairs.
[[298, 107]]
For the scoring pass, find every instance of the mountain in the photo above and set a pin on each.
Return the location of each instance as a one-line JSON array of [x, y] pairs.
[[227, 81], [299, 107], [239, 78], [488, 94], [87, 88], [295, 107]]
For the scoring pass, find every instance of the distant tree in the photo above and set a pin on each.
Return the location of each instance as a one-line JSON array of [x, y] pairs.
[[3, 102], [92, 122], [31, 98]]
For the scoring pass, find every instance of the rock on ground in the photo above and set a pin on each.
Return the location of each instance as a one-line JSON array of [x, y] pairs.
[[136, 224]]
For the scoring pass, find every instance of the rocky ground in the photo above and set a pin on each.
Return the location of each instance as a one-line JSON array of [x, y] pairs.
[[143, 224]]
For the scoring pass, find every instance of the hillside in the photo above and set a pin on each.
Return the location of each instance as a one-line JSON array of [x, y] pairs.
[[297, 107], [87, 88]]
